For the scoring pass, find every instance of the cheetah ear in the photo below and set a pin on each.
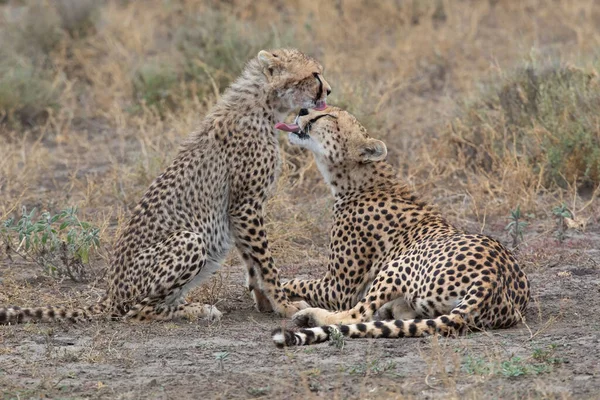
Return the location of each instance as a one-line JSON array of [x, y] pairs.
[[373, 150], [268, 60]]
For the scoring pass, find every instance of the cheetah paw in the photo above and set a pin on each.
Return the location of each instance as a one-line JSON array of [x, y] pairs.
[[212, 313], [300, 305], [261, 301], [293, 308], [309, 317]]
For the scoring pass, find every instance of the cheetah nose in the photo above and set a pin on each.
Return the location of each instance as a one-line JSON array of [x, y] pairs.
[[328, 92], [303, 112]]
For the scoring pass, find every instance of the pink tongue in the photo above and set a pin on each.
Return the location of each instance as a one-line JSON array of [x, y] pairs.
[[321, 105], [282, 126]]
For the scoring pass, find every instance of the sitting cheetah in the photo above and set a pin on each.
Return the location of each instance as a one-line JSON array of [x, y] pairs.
[[393, 254], [211, 197]]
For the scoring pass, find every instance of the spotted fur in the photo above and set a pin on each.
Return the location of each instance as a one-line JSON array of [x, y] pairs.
[[392, 254], [209, 199]]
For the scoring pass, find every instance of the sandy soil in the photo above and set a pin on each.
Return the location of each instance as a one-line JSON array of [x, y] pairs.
[[555, 355]]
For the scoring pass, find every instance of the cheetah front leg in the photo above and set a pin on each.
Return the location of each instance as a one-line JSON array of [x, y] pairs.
[[319, 293], [380, 293], [308, 290], [253, 245]]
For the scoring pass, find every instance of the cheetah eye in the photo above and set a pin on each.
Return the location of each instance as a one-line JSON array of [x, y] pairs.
[[316, 75]]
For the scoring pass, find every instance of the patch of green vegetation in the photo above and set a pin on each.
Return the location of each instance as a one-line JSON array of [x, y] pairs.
[[37, 32], [31, 82], [337, 339], [374, 367], [220, 358], [561, 212], [547, 355], [259, 392], [541, 361], [477, 366], [27, 93], [544, 117], [516, 226], [61, 244]]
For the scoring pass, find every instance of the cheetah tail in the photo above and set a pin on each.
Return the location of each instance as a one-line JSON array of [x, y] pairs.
[[18, 315], [451, 324]]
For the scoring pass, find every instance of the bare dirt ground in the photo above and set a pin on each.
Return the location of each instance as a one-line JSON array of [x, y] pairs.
[[555, 355]]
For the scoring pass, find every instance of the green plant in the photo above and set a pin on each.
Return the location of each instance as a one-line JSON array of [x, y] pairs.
[[375, 367], [516, 226], [61, 244], [477, 366], [220, 357], [542, 361], [546, 355], [513, 367], [336, 339], [561, 212], [258, 392]]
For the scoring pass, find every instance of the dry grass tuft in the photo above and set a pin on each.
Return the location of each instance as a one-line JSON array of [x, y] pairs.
[[543, 119]]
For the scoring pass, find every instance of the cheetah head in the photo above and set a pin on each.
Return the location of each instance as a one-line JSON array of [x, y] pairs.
[[296, 78], [340, 144]]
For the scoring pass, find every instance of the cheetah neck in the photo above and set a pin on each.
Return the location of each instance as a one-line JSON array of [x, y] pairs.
[[346, 181], [346, 178]]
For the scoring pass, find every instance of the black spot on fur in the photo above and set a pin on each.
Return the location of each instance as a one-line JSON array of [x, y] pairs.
[[385, 331], [412, 329]]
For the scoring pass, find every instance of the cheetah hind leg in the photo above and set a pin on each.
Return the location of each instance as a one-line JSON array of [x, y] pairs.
[[168, 312], [396, 309], [178, 265]]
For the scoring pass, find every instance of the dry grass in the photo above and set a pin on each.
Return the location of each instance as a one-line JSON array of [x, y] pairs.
[[95, 97]]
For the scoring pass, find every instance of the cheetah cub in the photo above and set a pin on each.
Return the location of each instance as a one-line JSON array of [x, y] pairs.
[[393, 254], [210, 198]]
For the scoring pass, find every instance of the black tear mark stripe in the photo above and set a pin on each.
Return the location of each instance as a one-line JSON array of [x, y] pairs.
[[320, 92], [315, 119], [309, 124]]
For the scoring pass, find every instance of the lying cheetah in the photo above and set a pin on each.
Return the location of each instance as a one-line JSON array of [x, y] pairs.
[[211, 197], [393, 254]]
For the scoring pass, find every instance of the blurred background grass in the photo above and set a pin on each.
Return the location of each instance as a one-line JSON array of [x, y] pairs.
[[484, 104]]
